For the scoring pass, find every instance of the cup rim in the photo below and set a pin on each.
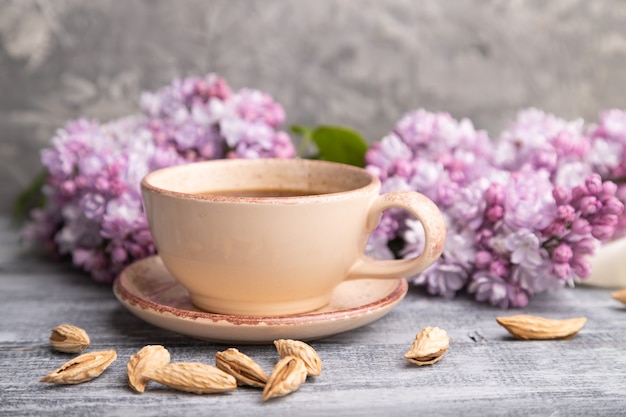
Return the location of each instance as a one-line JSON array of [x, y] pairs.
[[373, 183]]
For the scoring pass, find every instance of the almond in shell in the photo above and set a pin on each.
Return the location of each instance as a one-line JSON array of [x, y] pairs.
[[619, 295], [69, 339], [242, 367], [288, 375], [429, 346], [81, 369], [527, 327], [148, 358], [289, 347], [195, 377]]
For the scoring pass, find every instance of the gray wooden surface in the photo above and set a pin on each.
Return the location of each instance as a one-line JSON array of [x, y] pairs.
[[484, 373]]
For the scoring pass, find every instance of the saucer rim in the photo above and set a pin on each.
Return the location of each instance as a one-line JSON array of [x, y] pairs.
[[125, 295]]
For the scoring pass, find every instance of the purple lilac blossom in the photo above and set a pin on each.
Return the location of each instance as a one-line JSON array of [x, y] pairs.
[[540, 140], [607, 155], [523, 214], [432, 153], [94, 213]]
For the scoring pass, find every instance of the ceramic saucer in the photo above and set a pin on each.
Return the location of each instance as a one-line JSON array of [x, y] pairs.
[[148, 290]]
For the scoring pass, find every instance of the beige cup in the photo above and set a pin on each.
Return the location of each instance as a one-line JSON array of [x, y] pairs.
[[275, 255]]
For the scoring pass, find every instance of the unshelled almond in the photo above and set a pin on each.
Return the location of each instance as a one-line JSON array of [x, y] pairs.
[[242, 367], [289, 347], [529, 327], [195, 377], [81, 369], [148, 358], [429, 346], [69, 339]]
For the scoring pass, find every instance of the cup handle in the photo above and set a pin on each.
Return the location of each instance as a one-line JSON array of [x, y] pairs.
[[435, 235]]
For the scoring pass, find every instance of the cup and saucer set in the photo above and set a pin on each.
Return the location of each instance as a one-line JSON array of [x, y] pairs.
[[250, 251]]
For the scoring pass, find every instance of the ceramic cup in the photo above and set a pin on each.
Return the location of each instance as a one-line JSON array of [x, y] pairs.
[[239, 251]]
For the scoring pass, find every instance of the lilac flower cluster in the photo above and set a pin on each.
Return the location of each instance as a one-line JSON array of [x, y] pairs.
[[203, 119], [93, 211], [524, 213], [607, 154]]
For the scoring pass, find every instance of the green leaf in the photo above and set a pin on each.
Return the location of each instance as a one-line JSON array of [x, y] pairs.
[[304, 131], [307, 134], [30, 198], [340, 144]]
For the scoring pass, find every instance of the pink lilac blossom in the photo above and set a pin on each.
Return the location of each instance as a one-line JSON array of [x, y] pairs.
[[523, 214], [607, 155], [429, 152], [93, 211], [540, 140]]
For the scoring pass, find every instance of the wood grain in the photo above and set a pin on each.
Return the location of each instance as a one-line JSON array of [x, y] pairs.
[[485, 372]]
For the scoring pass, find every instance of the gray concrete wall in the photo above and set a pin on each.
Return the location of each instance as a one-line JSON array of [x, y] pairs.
[[361, 63]]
